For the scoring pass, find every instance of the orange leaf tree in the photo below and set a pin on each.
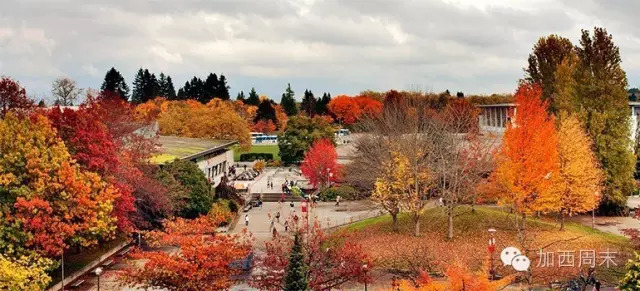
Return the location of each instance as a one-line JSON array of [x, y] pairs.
[[320, 164], [529, 156], [345, 108], [203, 262]]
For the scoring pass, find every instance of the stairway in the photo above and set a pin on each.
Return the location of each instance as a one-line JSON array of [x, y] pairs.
[[275, 197]]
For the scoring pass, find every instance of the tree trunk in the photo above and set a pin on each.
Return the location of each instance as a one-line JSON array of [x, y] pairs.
[[394, 217], [561, 220], [416, 221], [450, 225]]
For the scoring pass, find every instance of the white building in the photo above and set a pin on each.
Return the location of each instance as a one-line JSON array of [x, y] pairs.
[[213, 157]]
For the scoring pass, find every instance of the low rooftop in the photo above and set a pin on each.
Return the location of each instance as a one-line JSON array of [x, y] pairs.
[[173, 147]]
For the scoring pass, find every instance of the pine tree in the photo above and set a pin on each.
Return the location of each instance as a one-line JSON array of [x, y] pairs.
[[266, 112], [210, 88], [253, 99], [308, 104], [150, 89], [322, 106], [288, 102], [296, 277], [138, 87], [169, 90], [192, 90], [223, 88], [601, 84], [41, 104], [240, 97], [114, 82]]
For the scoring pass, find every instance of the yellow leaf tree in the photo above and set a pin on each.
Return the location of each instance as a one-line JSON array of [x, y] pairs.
[[26, 273], [388, 188], [580, 178]]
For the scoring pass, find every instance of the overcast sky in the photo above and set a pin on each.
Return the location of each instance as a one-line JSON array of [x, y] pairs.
[[344, 47]]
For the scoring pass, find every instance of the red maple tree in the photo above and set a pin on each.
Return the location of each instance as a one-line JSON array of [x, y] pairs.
[[320, 164], [12, 96], [331, 260], [204, 260]]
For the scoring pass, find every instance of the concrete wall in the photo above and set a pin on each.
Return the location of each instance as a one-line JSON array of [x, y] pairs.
[[215, 166]]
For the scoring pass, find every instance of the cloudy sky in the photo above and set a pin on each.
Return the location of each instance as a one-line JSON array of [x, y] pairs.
[[476, 46]]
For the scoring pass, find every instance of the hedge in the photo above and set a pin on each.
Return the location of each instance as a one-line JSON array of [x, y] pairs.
[[250, 157]]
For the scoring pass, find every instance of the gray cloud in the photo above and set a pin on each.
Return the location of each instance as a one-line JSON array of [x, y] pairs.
[[341, 46]]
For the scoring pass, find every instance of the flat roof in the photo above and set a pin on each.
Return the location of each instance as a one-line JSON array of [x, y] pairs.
[[174, 147]]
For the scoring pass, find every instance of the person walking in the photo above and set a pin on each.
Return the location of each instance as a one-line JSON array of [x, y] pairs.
[[338, 201], [275, 233], [286, 226], [269, 215], [246, 219], [278, 216]]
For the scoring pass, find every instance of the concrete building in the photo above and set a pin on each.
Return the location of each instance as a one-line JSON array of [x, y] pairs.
[[213, 157], [494, 117]]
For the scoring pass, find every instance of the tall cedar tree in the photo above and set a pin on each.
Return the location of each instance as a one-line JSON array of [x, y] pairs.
[[548, 53], [253, 99], [299, 134], [288, 102], [296, 278], [322, 106], [308, 104], [580, 175], [320, 164], [114, 83], [241, 97], [223, 88], [529, 156], [166, 88], [145, 87], [210, 89], [12, 96], [266, 112], [601, 87]]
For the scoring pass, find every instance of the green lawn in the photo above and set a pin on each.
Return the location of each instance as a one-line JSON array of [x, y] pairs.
[[269, 148]]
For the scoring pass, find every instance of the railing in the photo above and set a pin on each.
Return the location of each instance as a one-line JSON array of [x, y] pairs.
[[329, 223]]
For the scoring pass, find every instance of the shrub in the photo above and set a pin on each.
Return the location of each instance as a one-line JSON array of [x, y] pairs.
[[259, 165], [250, 157], [221, 206], [233, 207], [296, 191], [274, 163], [345, 191]]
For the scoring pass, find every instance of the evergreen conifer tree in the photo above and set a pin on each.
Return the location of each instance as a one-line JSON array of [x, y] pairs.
[[138, 87], [253, 99], [223, 88], [210, 88], [169, 90], [288, 102], [240, 97], [308, 104], [296, 277], [322, 105], [114, 82]]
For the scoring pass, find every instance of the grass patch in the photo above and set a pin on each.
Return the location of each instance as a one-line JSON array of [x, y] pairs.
[[404, 254], [267, 148]]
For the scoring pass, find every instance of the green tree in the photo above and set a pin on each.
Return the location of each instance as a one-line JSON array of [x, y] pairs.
[[241, 97], [296, 277], [308, 104], [253, 99], [114, 82], [223, 88], [300, 133], [322, 105], [210, 88], [145, 87], [138, 87], [166, 88], [601, 84], [200, 197], [631, 279], [288, 102], [548, 53]]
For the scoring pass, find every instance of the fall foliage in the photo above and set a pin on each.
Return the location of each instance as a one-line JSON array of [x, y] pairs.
[[459, 278], [320, 164], [349, 109], [204, 261], [12, 96]]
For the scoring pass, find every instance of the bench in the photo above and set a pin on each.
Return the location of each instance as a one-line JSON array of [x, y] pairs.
[[77, 283], [108, 263], [124, 252]]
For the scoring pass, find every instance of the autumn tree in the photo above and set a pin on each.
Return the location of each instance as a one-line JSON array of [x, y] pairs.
[[288, 102], [12, 96], [299, 134], [308, 104], [631, 279], [204, 261], [345, 108], [329, 260], [601, 87], [266, 112], [388, 189], [200, 196], [320, 164], [25, 273], [65, 91], [548, 53], [264, 126], [458, 278], [580, 177], [529, 156], [114, 83]]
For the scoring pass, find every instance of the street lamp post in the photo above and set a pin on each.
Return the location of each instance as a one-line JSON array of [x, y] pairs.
[[62, 269], [98, 272], [492, 249], [365, 267]]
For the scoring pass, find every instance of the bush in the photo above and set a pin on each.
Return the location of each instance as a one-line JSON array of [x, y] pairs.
[[250, 157], [274, 163], [259, 166], [345, 191], [233, 207], [221, 206]]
